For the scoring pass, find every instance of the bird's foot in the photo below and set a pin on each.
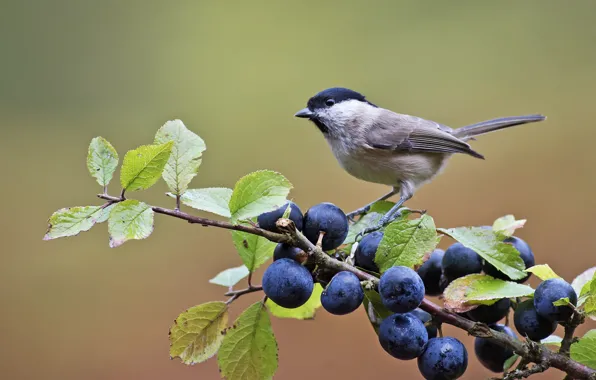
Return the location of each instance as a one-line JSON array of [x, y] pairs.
[[385, 220], [361, 211]]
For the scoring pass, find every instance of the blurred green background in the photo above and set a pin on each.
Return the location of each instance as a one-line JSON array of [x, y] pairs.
[[235, 73]]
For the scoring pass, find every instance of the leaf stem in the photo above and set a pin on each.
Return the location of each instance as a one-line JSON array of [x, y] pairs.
[[239, 293]]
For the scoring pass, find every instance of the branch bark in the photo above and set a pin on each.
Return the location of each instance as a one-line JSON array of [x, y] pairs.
[[528, 350]]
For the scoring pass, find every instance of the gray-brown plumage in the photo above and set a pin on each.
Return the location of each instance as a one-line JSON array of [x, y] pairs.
[[381, 146]]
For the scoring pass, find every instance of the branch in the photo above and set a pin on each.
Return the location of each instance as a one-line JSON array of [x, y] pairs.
[[576, 320], [522, 374], [528, 350]]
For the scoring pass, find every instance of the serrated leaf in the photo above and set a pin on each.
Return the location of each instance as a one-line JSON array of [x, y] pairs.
[[543, 272], [253, 250], [552, 340], [306, 311], [258, 192], [585, 277], [562, 302], [381, 207], [142, 167], [490, 247], [102, 160], [197, 334], [465, 293], [230, 277], [105, 213], [184, 162], [584, 351], [405, 242], [510, 362], [211, 199], [590, 304], [368, 220], [507, 225], [74, 220], [249, 349], [374, 308], [129, 220]]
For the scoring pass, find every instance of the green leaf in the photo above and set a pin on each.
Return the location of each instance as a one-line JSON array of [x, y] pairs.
[[584, 351], [102, 160], [405, 242], [197, 334], [212, 199], [491, 248], [374, 308], [543, 272], [184, 162], [368, 220], [306, 311], [507, 225], [142, 167], [249, 349], [71, 221], [230, 277], [552, 340], [253, 250], [580, 281], [130, 219], [465, 292], [590, 304], [381, 207], [258, 192], [562, 302], [510, 362]]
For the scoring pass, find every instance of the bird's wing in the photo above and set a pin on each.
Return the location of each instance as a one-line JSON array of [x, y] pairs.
[[393, 131]]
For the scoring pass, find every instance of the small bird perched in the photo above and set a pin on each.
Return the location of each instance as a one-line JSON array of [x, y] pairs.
[[378, 145]]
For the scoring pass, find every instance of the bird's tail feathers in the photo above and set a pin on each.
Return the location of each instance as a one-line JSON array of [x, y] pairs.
[[469, 131]]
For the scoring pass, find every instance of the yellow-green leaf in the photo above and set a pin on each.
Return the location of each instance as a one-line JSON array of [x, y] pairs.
[[213, 199], [490, 247], [258, 192], [249, 348], [184, 162], [405, 242], [253, 250], [71, 221], [306, 311], [197, 334], [142, 167], [130, 219], [584, 351], [543, 272], [102, 160], [507, 225], [465, 293]]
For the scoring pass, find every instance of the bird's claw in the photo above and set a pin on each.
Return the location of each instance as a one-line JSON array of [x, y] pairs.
[[361, 211]]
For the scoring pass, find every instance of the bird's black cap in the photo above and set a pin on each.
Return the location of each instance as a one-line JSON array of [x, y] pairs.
[[336, 95]]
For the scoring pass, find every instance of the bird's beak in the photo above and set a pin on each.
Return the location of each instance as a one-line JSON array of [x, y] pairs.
[[304, 113]]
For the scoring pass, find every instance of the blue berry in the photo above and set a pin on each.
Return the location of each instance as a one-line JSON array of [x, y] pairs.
[[343, 295], [285, 251], [459, 261], [443, 359], [529, 323], [550, 291], [267, 220], [524, 252], [401, 289], [430, 273], [403, 336], [425, 317], [287, 283], [490, 313], [328, 218], [365, 252], [491, 354]]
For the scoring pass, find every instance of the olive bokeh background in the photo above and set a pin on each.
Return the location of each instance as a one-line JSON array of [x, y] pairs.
[[235, 72]]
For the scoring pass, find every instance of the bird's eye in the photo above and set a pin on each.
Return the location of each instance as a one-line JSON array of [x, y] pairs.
[[329, 102]]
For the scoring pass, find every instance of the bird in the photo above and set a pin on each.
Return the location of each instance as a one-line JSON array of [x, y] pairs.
[[378, 145]]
